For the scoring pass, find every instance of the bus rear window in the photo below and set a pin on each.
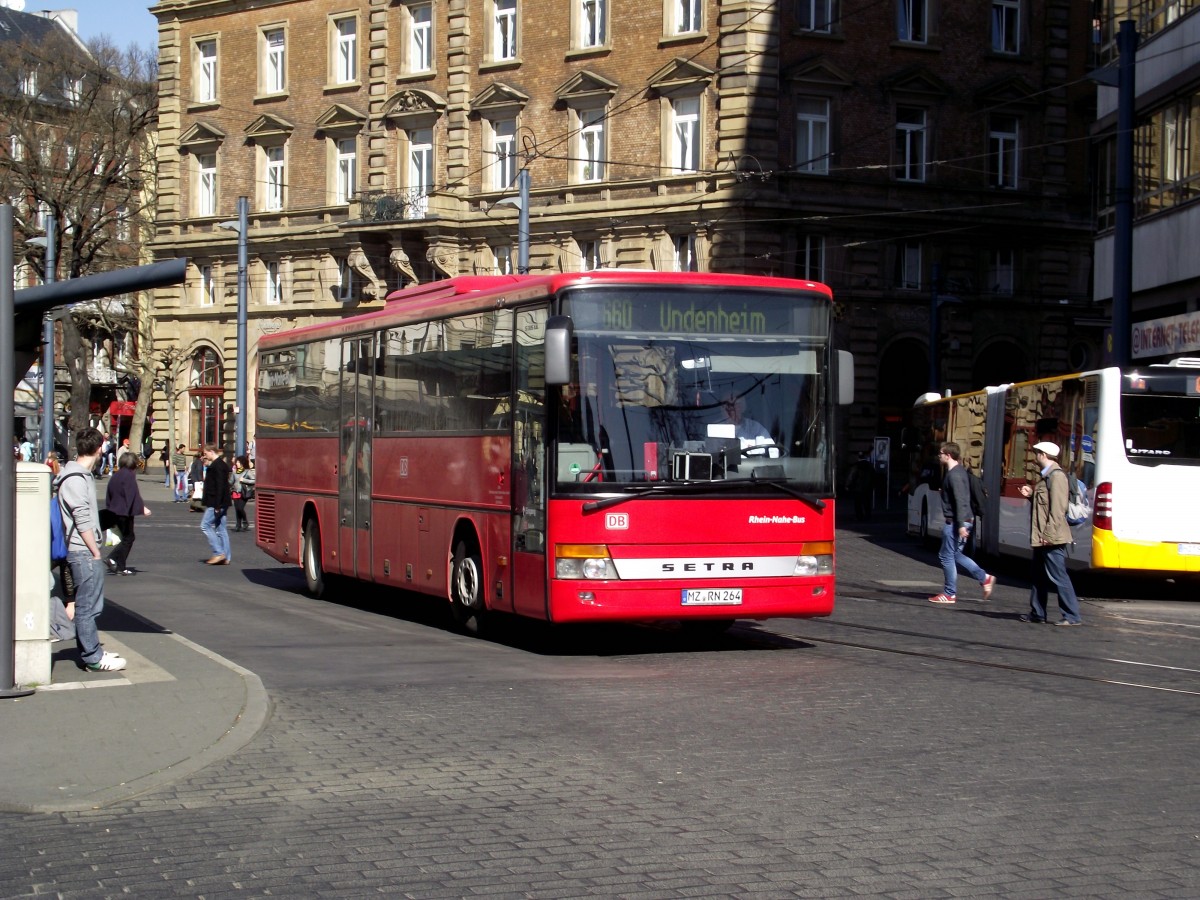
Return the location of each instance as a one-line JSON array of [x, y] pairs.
[[1159, 429]]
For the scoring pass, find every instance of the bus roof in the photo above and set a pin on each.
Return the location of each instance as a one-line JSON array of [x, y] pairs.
[[463, 293]]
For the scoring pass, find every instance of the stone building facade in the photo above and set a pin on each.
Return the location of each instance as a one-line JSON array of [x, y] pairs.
[[875, 148]]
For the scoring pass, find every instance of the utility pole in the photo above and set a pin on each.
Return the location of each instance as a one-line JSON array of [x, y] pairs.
[[523, 223], [48, 342], [1122, 300]]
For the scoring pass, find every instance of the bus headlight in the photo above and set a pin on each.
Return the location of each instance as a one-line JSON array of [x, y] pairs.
[[590, 561], [816, 558]]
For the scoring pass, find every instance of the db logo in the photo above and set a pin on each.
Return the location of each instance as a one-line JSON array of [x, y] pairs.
[[616, 521]]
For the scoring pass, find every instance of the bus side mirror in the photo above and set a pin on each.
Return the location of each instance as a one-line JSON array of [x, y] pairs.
[[845, 377], [559, 331]]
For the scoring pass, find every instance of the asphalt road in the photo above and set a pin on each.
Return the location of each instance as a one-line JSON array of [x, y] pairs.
[[896, 749]]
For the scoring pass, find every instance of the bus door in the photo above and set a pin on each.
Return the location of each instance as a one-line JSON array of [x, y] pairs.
[[529, 466], [354, 467]]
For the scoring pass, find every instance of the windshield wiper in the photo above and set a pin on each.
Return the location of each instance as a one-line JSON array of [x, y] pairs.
[[701, 487]]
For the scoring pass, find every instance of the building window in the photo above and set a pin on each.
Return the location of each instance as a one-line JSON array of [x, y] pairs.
[[121, 217], [16, 148], [685, 134], [908, 266], [683, 16], [345, 171], [206, 70], [208, 286], [816, 15], [206, 184], [910, 144], [345, 283], [274, 284], [503, 164], [502, 259], [504, 29], [29, 83], [593, 23], [685, 253], [1001, 278], [1006, 26], [44, 211], [812, 135], [589, 256], [420, 171], [810, 258], [273, 61], [345, 50], [420, 38], [590, 150], [73, 90], [912, 21], [1003, 152], [275, 178]]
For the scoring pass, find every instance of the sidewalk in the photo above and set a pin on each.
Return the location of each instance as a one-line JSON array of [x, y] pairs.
[[89, 738]]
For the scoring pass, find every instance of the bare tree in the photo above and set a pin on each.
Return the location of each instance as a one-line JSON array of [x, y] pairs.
[[78, 148]]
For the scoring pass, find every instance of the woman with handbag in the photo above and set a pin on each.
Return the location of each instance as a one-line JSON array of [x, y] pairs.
[[242, 486]]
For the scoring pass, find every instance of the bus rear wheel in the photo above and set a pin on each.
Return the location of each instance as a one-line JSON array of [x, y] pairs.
[[314, 572], [466, 588]]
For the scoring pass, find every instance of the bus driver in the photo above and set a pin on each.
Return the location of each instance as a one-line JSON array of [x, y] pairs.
[[750, 432]]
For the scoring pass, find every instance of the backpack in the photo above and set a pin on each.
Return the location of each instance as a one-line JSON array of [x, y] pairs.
[[59, 536], [1078, 507], [978, 493]]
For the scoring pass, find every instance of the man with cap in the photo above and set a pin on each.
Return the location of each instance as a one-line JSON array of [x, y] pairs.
[[1049, 535]]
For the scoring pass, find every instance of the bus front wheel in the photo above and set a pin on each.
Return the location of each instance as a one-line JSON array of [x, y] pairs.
[[466, 588], [314, 572]]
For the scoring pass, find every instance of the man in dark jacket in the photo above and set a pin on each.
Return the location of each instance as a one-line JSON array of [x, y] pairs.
[[956, 508], [216, 500]]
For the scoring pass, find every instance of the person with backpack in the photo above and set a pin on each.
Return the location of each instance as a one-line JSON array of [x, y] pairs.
[[960, 520], [1049, 535], [81, 522]]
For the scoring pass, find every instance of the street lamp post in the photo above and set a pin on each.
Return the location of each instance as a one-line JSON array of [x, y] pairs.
[[50, 243], [241, 226]]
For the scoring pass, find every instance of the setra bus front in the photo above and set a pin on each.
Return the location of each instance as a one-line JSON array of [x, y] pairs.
[[690, 465]]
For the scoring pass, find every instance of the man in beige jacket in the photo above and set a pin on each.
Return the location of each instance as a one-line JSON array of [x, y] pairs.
[[1049, 535]]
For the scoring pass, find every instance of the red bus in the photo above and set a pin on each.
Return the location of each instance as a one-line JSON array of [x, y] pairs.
[[613, 445]]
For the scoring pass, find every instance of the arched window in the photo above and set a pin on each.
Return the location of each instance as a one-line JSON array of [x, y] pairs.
[[206, 395]]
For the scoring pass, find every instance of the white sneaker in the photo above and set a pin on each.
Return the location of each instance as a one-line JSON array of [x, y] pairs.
[[109, 662]]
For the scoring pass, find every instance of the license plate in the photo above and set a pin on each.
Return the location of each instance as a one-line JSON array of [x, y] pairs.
[[1189, 549], [712, 597]]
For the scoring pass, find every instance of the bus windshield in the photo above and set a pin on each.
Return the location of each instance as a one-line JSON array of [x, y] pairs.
[[1160, 428], [711, 385]]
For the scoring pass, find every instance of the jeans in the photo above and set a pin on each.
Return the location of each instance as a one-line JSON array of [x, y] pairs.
[[1050, 568], [951, 556], [181, 486], [213, 526], [89, 603]]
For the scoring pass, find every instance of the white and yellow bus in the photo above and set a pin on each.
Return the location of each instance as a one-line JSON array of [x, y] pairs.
[[1131, 437]]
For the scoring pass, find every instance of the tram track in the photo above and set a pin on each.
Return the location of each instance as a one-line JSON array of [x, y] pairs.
[[1182, 671]]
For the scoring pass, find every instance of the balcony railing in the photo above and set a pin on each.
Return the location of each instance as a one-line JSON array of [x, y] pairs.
[[393, 206]]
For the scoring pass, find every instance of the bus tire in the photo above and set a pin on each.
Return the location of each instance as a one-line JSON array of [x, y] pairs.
[[314, 571], [466, 588]]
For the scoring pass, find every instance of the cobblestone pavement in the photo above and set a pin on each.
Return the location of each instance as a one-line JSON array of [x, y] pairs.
[[896, 750]]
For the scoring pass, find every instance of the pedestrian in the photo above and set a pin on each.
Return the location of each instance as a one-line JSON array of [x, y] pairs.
[[60, 567], [240, 490], [81, 518], [27, 449], [124, 449], [196, 477], [860, 483], [123, 501], [1049, 535], [216, 499], [956, 509], [165, 456], [180, 464]]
